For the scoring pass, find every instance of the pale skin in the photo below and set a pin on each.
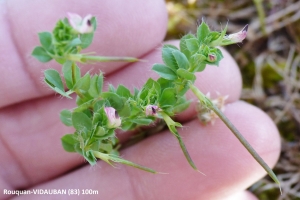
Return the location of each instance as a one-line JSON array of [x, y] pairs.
[[31, 155]]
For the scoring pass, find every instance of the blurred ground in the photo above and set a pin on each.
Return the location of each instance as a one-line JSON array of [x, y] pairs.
[[270, 63]]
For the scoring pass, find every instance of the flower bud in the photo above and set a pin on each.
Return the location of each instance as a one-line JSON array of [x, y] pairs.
[[81, 25], [114, 120], [151, 110], [211, 57]]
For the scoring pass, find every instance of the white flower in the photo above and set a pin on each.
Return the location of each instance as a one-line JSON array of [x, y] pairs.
[[114, 120], [81, 25]]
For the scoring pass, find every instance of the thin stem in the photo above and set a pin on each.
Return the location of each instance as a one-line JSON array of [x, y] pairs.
[[83, 58], [109, 59], [171, 125], [234, 130]]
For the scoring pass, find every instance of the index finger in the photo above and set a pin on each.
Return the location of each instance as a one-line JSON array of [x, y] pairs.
[[130, 28]]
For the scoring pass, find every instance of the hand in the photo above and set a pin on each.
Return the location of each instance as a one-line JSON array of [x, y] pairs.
[[32, 156]]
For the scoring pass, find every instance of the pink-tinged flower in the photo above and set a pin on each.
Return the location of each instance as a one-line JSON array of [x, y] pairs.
[[81, 25], [211, 57], [235, 37], [114, 120], [151, 110]]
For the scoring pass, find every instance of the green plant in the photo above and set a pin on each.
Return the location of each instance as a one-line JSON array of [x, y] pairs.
[[98, 114]]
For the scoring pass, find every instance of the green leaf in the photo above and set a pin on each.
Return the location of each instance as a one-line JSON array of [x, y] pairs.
[[84, 106], [83, 84], [89, 156], [213, 35], [152, 83], [68, 142], [60, 60], [81, 122], [164, 72], [76, 74], [67, 72], [100, 132], [53, 77], [96, 85], [181, 105], [168, 57], [46, 40], [125, 111], [183, 89], [106, 147], [181, 60], [107, 134], [99, 104], [41, 54], [200, 67], [202, 32], [123, 91], [198, 62], [127, 125], [111, 88], [115, 100], [218, 41], [142, 121], [186, 75], [59, 91], [199, 57], [66, 117], [149, 92], [192, 45], [86, 40], [183, 47], [168, 97], [99, 117], [170, 46], [164, 83], [219, 54], [73, 43]]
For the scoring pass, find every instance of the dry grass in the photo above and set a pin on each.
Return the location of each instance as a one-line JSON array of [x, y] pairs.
[[269, 60]]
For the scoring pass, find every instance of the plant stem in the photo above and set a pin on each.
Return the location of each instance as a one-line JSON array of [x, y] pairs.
[[238, 135], [109, 59], [172, 127], [83, 58]]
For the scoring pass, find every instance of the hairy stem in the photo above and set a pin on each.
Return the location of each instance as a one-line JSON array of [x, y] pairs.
[[238, 135]]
